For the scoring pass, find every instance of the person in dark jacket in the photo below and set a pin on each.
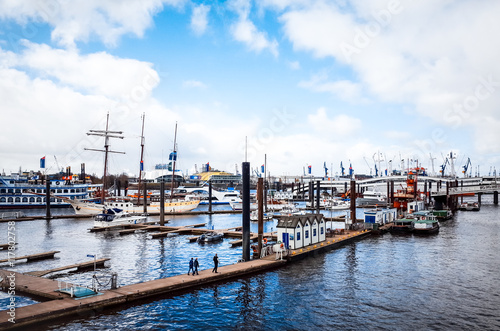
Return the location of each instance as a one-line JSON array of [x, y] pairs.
[[196, 265], [191, 264], [216, 263]]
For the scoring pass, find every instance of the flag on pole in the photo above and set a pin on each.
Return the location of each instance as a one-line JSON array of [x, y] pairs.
[[142, 165], [309, 169], [350, 169], [262, 168], [42, 162]]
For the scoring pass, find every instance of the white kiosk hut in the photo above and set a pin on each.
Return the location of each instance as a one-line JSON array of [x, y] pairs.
[[298, 231]]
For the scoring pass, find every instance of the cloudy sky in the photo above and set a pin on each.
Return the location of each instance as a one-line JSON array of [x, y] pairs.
[[304, 82]]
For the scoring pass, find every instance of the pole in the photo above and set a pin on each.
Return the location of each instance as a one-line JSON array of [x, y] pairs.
[[318, 195], [260, 198], [209, 196], [162, 203], [47, 198], [246, 210], [145, 195], [353, 201], [141, 162]]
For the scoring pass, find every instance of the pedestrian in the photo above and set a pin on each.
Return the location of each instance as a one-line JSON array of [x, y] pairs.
[[216, 263], [191, 264], [196, 265]]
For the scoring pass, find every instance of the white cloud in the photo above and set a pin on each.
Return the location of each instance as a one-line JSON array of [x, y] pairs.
[[421, 54], [245, 31], [344, 89], [199, 20], [339, 125], [74, 21], [193, 84], [294, 65]]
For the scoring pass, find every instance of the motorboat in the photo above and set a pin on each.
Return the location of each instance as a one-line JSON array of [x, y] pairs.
[[210, 237], [115, 216], [469, 206], [426, 227]]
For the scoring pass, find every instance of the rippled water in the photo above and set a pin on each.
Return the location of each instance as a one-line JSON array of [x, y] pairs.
[[440, 282]]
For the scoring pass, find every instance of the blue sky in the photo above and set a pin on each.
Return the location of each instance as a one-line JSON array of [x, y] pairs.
[[307, 82]]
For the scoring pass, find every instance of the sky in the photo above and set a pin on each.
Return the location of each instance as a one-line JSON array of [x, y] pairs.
[[295, 82]]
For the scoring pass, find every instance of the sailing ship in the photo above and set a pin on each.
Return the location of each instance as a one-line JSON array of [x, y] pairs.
[[82, 207]]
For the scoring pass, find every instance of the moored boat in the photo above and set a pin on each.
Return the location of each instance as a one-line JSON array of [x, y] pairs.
[[402, 225], [443, 215], [115, 216], [426, 226], [469, 206], [210, 237]]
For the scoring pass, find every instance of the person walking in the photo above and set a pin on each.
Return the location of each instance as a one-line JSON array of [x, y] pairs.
[[191, 264], [196, 265], [216, 263]]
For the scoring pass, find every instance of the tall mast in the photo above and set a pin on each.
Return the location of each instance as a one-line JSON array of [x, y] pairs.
[[141, 166], [106, 134], [173, 157]]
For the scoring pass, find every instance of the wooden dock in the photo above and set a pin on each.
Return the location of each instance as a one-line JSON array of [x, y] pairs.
[[66, 306], [78, 266], [32, 257]]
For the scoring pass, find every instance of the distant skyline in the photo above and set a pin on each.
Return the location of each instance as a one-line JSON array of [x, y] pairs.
[[305, 82]]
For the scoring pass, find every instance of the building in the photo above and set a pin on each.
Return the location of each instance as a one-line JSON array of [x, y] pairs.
[[299, 231]]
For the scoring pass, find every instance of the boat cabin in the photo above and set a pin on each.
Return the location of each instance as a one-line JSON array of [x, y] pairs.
[[380, 216], [297, 231]]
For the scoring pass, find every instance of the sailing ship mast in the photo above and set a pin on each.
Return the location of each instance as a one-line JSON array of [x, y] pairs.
[[173, 157], [106, 134], [141, 167]]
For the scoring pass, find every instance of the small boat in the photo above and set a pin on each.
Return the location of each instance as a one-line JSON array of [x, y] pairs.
[[426, 227], [254, 216], [337, 204], [116, 216], [443, 215], [469, 206], [210, 237], [403, 225]]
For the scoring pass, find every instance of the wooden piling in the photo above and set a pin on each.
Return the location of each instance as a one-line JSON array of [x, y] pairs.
[[145, 195], [162, 203], [260, 198], [47, 199], [246, 211], [318, 195]]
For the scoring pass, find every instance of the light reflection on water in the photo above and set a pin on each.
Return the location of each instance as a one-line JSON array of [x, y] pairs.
[[446, 281]]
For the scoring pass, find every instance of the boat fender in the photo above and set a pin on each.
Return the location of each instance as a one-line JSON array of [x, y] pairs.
[[281, 246], [57, 183], [423, 218]]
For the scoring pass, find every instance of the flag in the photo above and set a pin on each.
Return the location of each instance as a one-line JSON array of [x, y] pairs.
[[208, 166], [42, 162], [309, 169], [262, 168], [142, 165], [350, 169], [173, 156]]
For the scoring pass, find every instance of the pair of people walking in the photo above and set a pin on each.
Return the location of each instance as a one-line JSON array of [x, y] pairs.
[[194, 264]]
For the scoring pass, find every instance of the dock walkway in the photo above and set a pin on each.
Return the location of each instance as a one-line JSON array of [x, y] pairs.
[[32, 257], [78, 266], [67, 306]]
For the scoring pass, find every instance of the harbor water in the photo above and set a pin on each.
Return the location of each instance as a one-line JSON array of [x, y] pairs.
[[447, 281]]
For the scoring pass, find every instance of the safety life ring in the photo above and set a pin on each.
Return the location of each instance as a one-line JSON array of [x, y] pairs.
[[281, 245], [423, 218], [78, 208], [57, 183], [265, 241]]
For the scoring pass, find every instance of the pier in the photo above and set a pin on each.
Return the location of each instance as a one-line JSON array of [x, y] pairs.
[[32, 257], [62, 305], [78, 266]]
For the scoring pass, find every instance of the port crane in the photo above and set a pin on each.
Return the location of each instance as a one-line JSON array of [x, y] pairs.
[[443, 167], [466, 167]]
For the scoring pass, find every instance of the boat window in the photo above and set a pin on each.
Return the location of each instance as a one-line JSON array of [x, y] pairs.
[[18, 199], [52, 199], [2, 199], [32, 199], [10, 190], [2, 190], [39, 191], [38, 199], [65, 191], [25, 199], [10, 200], [18, 190]]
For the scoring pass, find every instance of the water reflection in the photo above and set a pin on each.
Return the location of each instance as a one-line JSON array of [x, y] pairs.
[[48, 230]]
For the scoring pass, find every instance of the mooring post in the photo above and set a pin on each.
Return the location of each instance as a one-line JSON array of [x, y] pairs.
[[47, 199], [495, 197], [209, 196], [145, 195], [260, 200], [162, 203], [318, 195], [311, 194], [353, 201], [245, 168], [461, 196]]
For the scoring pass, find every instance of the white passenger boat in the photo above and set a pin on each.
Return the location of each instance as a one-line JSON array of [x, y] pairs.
[[115, 216]]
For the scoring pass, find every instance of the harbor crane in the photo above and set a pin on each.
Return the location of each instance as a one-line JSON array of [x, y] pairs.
[[443, 166], [466, 166], [432, 164], [326, 170], [342, 169], [364, 157]]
